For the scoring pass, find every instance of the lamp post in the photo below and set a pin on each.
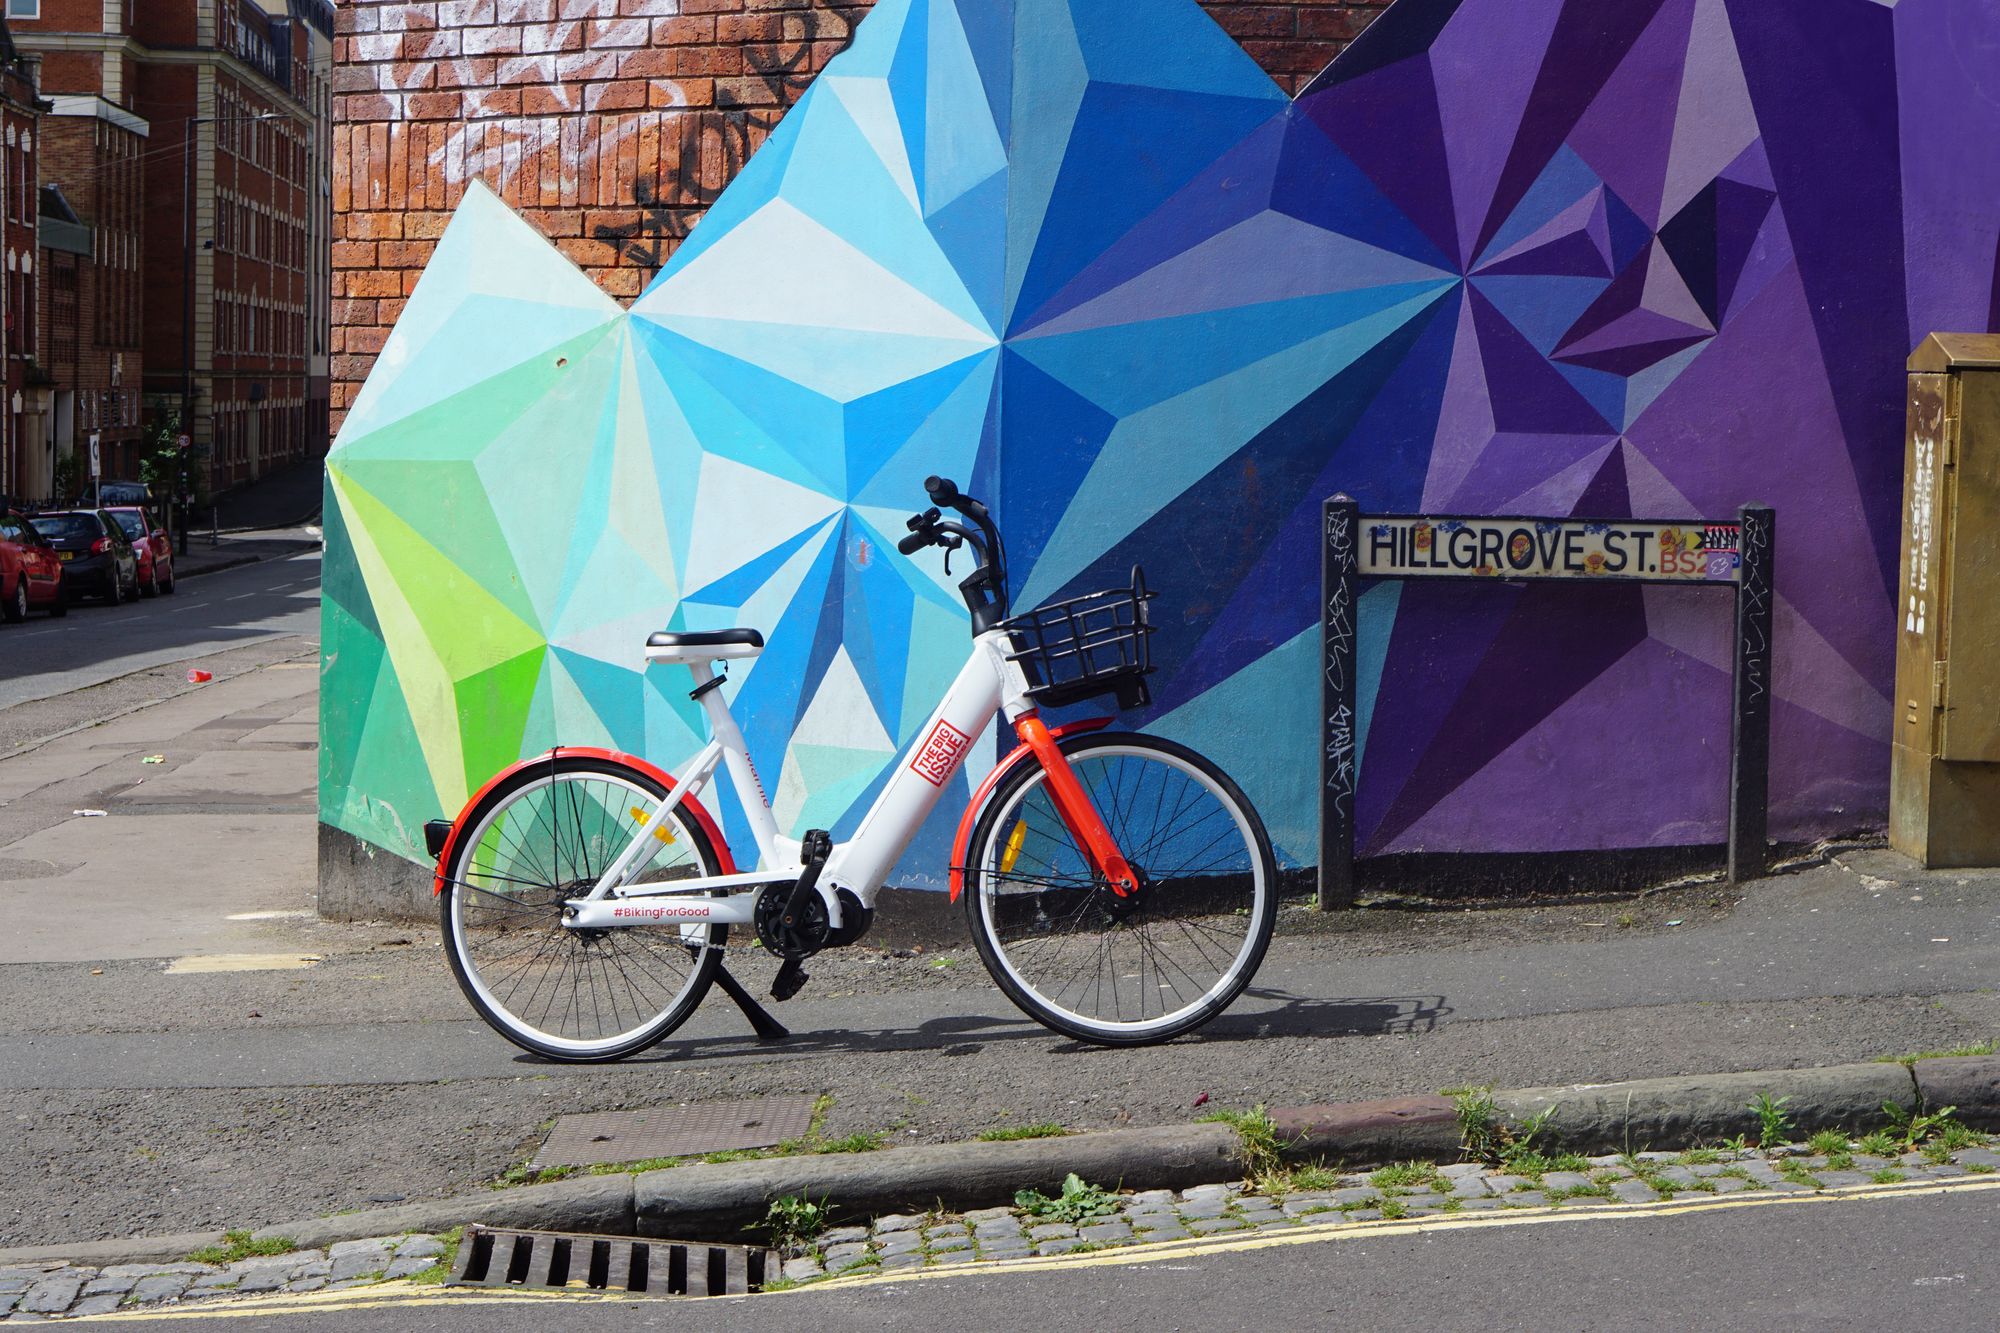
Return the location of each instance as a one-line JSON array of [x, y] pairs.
[[186, 498]]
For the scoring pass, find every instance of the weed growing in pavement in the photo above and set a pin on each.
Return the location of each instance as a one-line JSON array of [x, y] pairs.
[[1701, 1157], [864, 1140], [1535, 1165], [1485, 1137], [1079, 1201], [1394, 1208], [1596, 1189], [240, 1245], [1888, 1176], [1794, 1170], [1827, 1142], [1008, 1133], [792, 1222], [1952, 1136], [1979, 1168], [1739, 1144], [1409, 1175], [440, 1270], [1258, 1147], [1879, 1144], [1311, 1176], [1913, 1130], [1773, 1125], [1452, 1204], [521, 1173]]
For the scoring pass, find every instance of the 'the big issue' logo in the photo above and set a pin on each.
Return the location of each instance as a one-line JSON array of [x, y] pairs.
[[938, 756]]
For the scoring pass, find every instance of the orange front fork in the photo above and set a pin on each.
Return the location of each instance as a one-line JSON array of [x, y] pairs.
[[1078, 811]]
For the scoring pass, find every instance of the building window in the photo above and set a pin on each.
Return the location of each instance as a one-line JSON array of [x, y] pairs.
[[24, 9]]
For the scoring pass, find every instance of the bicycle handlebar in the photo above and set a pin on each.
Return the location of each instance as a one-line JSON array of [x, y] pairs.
[[985, 589]]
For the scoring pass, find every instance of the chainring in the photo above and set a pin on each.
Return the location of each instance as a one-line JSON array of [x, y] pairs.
[[804, 937]]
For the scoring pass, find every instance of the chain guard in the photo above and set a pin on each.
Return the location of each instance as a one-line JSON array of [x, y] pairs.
[[801, 940]]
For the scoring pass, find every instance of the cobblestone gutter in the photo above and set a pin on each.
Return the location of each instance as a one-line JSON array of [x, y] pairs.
[[1410, 1191], [990, 1235]]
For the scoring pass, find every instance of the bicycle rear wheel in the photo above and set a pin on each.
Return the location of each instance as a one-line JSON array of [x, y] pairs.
[[543, 836], [1123, 971]]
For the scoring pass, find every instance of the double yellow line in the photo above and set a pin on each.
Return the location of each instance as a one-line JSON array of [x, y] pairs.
[[403, 1294]]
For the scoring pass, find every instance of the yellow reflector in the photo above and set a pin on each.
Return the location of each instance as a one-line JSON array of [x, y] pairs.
[[645, 817], [1013, 848]]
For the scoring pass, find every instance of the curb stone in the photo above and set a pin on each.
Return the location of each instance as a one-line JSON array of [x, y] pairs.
[[716, 1201]]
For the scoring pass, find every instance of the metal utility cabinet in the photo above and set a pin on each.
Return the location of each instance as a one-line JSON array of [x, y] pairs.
[[1944, 787]]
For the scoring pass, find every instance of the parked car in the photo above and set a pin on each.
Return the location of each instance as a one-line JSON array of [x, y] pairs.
[[120, 493], [95, 554], [150, 544], [31, 571]]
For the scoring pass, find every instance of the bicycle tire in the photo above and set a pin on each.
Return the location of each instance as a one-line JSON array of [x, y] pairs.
[[1022, 920], [503, 865]]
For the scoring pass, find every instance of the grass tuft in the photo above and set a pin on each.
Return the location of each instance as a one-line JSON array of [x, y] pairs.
[[1048, 1129], [241, 1245]]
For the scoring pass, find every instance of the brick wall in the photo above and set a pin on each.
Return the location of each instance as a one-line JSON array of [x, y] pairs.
[[611, 123]]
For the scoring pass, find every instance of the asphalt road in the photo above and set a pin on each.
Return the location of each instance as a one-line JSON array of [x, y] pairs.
[[1919, 1261], [206, 614]]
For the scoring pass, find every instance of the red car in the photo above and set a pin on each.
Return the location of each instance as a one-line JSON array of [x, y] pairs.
[[31, 574], [150, 544]]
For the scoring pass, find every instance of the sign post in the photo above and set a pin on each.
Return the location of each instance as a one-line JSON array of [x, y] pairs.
[[1750, 726], [1736, 555], [96, 470], [1339, 621]]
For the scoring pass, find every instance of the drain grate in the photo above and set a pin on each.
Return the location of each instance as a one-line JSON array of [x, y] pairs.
[[601, 1137], [554, 1261]]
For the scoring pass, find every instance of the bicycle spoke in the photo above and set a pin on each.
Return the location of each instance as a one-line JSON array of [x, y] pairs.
[[543, 844], [1151, 960]]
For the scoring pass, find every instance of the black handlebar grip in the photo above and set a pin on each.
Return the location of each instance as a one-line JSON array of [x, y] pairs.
[[943, 490], [913, 543]]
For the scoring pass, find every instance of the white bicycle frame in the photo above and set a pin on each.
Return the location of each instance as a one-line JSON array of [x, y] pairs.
[[989, 684]]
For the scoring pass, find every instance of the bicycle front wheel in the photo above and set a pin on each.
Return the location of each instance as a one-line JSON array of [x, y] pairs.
[[1123, 971], [544, 836]]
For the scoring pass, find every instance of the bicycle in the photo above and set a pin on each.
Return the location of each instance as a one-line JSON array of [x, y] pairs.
[[1119, 887]]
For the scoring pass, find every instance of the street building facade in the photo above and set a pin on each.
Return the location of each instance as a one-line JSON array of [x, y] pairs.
[[233, 108], [91, 263], [21, 446]]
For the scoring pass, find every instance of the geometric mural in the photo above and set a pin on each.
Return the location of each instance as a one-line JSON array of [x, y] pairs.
[[1603, 257]]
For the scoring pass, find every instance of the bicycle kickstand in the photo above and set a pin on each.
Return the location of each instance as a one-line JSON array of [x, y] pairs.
[[767, 1027]]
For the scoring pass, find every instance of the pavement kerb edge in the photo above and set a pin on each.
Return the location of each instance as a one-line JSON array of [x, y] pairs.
[[713, 1201]]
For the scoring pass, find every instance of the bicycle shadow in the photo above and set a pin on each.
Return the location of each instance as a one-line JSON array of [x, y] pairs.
[[950, 1036]]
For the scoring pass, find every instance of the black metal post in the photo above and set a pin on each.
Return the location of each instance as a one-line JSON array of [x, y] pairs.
[[1750, 727], [1339, 589]]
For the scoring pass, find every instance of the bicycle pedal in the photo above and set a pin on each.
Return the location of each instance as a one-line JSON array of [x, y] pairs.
[[791, 977]]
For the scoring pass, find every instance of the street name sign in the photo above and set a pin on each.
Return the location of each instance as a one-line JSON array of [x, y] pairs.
[[1735, 554]]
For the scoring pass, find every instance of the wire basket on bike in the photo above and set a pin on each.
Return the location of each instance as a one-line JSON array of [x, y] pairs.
[[1086, 646]]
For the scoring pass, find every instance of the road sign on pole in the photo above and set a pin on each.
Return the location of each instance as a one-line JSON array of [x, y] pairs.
[[96, 467]]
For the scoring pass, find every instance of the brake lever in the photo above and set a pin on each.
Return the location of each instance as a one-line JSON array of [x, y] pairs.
[[950, 543]]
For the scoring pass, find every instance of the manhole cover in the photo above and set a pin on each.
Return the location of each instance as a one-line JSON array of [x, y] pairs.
[[606, 1137], [549, 1260]]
